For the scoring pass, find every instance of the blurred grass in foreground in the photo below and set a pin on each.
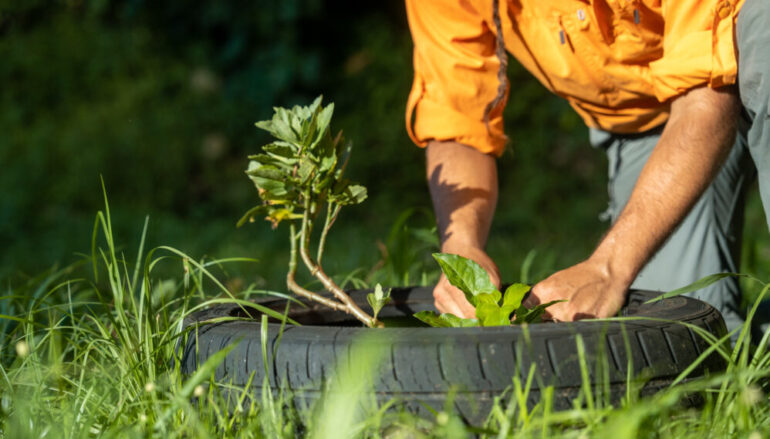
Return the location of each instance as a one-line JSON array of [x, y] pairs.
[[86, 349]]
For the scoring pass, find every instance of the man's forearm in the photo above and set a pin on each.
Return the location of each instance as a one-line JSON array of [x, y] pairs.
[[463, 187], [691, 150], [697, 138]]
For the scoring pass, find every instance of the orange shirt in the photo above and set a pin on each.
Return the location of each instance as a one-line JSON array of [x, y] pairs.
[[617, 62]]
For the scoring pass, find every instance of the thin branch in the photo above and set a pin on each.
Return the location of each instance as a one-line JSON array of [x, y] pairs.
[[328, 283], [295, 288], [331, 216]]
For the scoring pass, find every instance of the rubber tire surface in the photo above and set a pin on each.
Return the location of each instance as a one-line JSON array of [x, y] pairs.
[[422, 365]]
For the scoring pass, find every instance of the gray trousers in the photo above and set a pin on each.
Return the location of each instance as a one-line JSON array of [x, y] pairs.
[[708, 240]]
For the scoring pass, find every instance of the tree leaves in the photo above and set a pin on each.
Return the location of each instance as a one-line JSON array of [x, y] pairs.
[[303, 166]]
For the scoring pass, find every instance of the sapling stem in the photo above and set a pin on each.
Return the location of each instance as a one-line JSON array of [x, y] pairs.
[[295, 175], [318, 273], [291, 283], [331, 216]]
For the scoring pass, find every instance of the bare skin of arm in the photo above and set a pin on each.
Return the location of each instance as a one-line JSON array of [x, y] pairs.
[[463, 186], [691, 150]]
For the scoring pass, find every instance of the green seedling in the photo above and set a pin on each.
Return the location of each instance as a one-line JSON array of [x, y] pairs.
[[298, 176], [378, 299], [493, 308]]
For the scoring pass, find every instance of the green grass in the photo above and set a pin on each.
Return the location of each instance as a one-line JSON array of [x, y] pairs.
[[86, 351]]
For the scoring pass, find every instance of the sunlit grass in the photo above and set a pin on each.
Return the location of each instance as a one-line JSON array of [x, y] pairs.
[[91, 350]]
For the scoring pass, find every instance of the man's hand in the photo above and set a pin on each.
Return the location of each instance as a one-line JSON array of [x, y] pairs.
[[463, 186], [452, 300], [694, 144], [589, 287]]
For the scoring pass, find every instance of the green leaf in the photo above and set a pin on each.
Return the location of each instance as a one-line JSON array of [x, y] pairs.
[[273, 190], [312, 108], [268, 172], [281, 150], [465, 274], [322, 123], [489, 312], [282, 124], [268, 160], [327, 158], [355, 194], [445, 320], [305, 170], [513, 296], [697, 285], [534, 315], [346, 193], [278, 126], [378, 299]]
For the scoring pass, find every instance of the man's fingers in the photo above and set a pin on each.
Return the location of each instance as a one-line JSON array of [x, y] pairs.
[[448, 306]]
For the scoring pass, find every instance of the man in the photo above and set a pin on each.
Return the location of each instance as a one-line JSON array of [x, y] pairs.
[[676, 91]]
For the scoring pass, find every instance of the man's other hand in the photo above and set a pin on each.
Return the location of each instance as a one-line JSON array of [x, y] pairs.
[[589, 288]]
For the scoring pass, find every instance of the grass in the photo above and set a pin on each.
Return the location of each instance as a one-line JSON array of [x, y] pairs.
[[87, 350]]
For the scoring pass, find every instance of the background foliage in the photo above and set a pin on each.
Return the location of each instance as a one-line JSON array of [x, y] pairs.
[[160, 98]]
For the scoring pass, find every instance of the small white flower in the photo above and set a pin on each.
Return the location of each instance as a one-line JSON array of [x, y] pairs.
[[198, 392], [442, 418], [149, 387], [751, 395], [22, 349], [142, 418]]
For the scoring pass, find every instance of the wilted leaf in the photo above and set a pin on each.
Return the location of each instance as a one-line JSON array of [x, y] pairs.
[[277, 215], [465, 274], [251, 213]]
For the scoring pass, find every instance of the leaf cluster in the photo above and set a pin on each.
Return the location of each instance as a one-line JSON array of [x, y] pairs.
[[493, 308], [378, 299], [303, 167]]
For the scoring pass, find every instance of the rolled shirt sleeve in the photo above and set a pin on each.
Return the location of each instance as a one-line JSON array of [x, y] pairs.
[[455, 76], [698, 46]]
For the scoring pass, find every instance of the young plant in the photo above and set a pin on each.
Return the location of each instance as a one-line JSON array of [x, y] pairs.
[[298, 176], [493, 308]]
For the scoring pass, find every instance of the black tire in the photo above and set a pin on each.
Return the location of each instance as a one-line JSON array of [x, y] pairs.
[[424, 364]]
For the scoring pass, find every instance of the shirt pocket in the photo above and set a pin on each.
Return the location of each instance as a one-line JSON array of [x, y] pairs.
[[633, 28]]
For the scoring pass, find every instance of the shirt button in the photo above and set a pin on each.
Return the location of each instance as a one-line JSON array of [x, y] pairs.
[[582, 19], [724, 10]]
